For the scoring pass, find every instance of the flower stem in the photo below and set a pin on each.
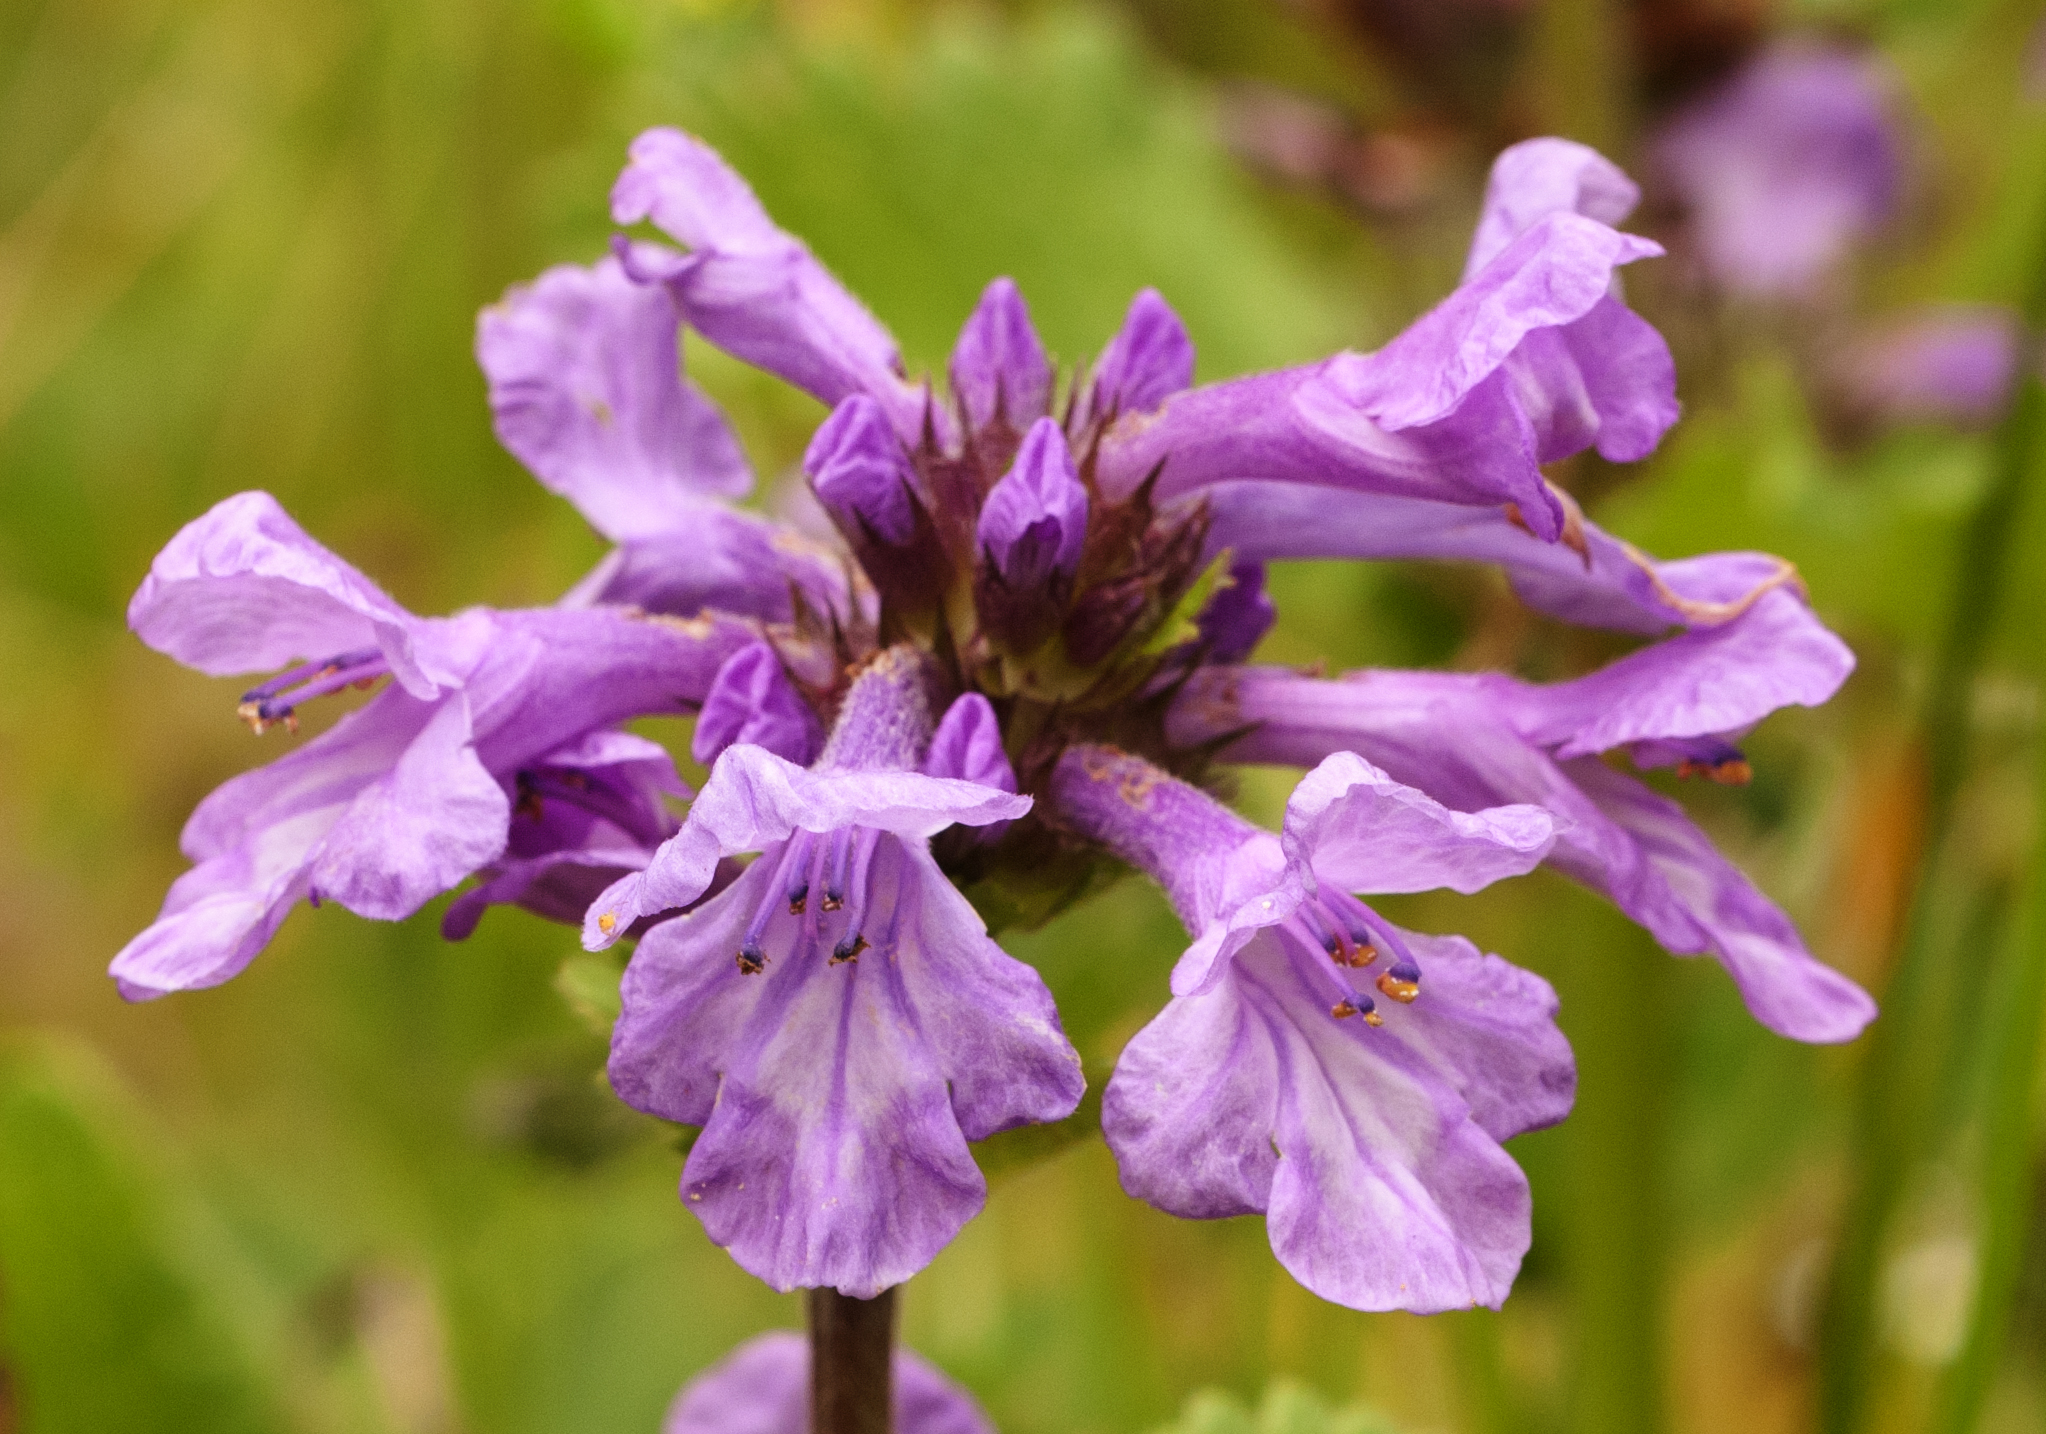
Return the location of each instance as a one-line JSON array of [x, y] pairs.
[[851, 1357]]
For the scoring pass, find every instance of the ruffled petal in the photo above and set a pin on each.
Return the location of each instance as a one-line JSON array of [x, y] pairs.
[[1539, 177], [1698, 683], [586, 390], [1784, 986], [1381, 1190], [763, 1387], [754, 798], [1351, 825], [837, 1098], [437, 816], [243, 589], [750, 288]]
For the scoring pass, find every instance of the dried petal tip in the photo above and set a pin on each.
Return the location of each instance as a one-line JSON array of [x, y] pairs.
[[999, 369], [1035, 520]]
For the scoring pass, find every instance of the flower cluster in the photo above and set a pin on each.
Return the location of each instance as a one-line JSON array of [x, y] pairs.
[[1017, 668]]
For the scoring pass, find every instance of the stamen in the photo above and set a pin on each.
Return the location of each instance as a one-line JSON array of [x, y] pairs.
[[752, 955], [273, 702], [841, 855], [853, 942], [798, 865], [1357, 1004], [1733, 772], [1402, 980]]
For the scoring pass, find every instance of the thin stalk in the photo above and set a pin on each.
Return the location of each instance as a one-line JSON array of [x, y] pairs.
[[852, 1348], [1893, 1114], [2013, 1075]]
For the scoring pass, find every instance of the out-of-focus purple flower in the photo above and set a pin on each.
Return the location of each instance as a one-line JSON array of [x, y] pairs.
[[404, 798], [1368, 1135], [999, 369], [763, 1387], [1474, 741], [837, 1095], [1950, 364], [1784, 166]]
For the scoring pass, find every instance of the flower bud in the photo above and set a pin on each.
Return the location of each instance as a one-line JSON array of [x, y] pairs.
[[999, 369], [861, 475], [1034, 522], [752, 700]]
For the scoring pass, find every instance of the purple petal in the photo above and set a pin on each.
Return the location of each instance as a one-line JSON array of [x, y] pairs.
[[1034, 522], [411, 835], [750, 288], [1593, 580], [763, 1387], [1351, 825], [733, 561], [243, 589], [1381, 1189], [837, 1099], [1698, 683], [968, 745], [861, 474], [586, 390], [1784, 166], [1539, 320], [1303, 426], [1539, 177], [1238, 616], [998, 366], [1149, 359], [754, 701], [1785, 988], [754, 799]]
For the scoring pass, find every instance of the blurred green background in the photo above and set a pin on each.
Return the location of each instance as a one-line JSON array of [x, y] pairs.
[[377, 1184]]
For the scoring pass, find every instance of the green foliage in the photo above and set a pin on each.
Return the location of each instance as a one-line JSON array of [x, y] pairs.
[[1287, 1408]]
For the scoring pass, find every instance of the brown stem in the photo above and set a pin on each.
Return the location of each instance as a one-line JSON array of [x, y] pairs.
[[851, 1350]]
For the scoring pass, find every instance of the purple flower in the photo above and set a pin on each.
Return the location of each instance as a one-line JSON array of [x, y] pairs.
[[403, 799], [1784, 166], [1532, 359], [1368, 1135], [1474, 741], [754, 700], [1948, 364], [763, 1387], [838, 1021]]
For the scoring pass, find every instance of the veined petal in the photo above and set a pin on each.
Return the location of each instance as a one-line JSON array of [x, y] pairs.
[[586, 390], [750, 288], [763, 1387], [837, 1097], [1351, 825], [243, 589], [1380, 1188]]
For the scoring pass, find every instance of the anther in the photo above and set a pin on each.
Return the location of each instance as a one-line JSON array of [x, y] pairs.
[[1357, 1004], [849, 948], [1734, 772], [1402, 983], [841, 856], [752, 960]]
